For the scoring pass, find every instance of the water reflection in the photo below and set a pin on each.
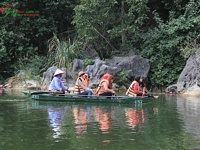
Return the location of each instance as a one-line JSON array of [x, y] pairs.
[[80, 119], [11, 92], [84, 117], [189, 110], [56, 116], [1, 91], [104, 120], [134, 117]]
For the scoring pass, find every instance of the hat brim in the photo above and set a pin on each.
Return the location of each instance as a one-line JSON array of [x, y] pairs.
[[58, 74], [81, 74]]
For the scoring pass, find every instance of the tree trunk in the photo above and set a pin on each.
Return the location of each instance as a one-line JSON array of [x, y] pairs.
[[122, 23]]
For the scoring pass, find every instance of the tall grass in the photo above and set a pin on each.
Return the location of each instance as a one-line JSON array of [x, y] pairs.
[[30, 68], [62, 52]]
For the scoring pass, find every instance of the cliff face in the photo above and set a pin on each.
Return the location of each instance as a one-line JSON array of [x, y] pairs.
[[189, 80]]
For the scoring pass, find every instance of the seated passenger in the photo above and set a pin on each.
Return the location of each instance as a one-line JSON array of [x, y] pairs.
[[105, 86], [82, 85]]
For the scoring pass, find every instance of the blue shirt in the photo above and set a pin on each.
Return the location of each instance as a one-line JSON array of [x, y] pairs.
[[56, 84]]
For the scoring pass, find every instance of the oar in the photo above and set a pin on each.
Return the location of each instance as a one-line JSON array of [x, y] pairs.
[[152, 96], [46, 92]]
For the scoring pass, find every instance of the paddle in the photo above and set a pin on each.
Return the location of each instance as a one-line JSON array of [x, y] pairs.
[[153, 96], [46, 92]]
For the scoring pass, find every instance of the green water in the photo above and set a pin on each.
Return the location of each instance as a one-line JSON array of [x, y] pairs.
[[168, 123]]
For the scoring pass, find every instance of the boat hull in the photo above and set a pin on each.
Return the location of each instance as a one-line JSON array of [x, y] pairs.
[[80, 98]]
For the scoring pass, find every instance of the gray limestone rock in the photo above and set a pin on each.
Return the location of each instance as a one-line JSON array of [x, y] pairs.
[[189, 80], [135, 66]]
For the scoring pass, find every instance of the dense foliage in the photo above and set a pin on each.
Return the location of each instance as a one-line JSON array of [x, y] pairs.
[[164, 31], [22, 37]]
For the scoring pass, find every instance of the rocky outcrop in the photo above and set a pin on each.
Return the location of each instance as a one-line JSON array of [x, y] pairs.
[[77, 66], [135, 66], [48, 76], [171, 88], [19, 83], [189, 80]]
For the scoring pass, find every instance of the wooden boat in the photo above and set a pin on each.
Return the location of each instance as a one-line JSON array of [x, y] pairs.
[[56, 96]]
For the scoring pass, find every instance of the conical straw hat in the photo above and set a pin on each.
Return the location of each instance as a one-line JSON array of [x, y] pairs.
[[58, 71]]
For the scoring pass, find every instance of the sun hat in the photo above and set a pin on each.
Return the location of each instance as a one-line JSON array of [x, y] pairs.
[[58, 71], [81, 73]]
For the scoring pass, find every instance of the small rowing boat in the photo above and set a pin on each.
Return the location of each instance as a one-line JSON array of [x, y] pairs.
[[56, 96]]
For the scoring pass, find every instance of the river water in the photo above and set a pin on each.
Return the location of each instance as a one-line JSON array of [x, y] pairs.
[[170, 122]]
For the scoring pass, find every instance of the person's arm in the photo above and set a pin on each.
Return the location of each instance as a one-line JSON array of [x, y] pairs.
[[81, 84], [63, 87], [59, 85], [105, 85], [144, 90]]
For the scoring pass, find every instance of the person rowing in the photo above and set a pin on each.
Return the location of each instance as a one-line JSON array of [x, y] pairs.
[[56, 83], [135, 89]]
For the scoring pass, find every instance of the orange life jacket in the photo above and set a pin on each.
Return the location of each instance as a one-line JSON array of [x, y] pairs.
[[100, 88], [78, 88], [130, 90]]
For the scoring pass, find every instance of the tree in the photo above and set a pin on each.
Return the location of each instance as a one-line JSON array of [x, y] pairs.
[[109, 26], [167, 45], [25, 36]]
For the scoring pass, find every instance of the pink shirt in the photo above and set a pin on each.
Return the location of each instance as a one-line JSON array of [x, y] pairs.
[[136, 88]]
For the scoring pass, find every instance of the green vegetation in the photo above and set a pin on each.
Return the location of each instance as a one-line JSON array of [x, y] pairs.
[[61, 53], [166, 32], [122, 79], [31, 68], [88, 61]]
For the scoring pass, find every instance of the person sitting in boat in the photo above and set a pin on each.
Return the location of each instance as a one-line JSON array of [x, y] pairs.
[[56, 83], [87, 76], [134, 89], [138, 88], [82, 85], [105, 86]]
